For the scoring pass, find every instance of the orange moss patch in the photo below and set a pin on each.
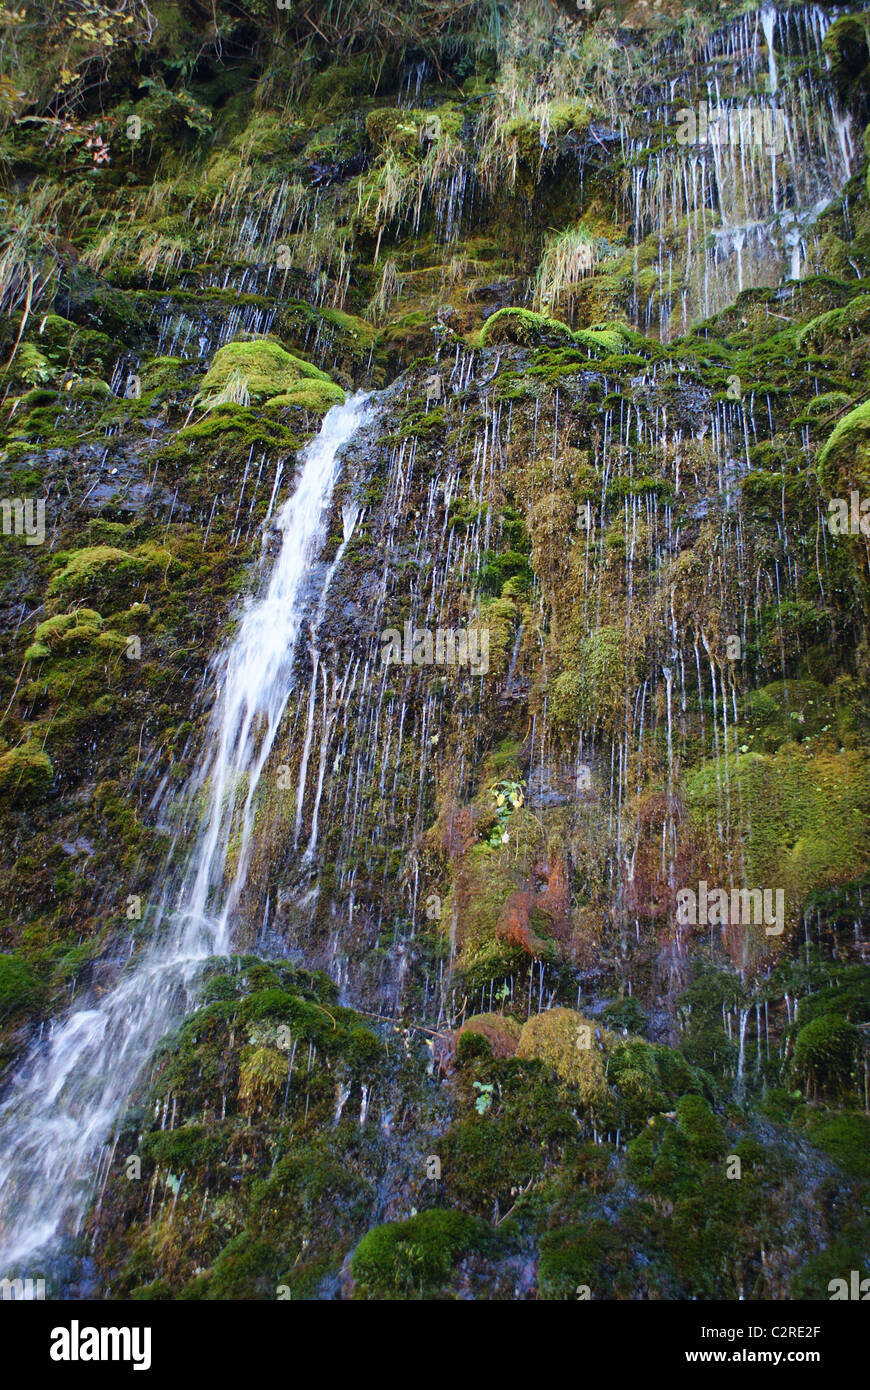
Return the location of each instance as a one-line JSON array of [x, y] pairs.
[[526, 914]]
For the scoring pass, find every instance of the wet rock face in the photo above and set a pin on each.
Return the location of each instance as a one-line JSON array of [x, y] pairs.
[[579, 638]]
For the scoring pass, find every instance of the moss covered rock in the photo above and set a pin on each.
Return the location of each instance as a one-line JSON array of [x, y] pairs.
[[501, 1032], [524, 327], [107, 571], [69, 633], [26, 773], [825, 1052], [415, 1258], [844, 460], [259, 369]]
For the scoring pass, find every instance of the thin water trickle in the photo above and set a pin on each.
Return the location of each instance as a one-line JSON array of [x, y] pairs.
[[70, 1091], [769, 17]]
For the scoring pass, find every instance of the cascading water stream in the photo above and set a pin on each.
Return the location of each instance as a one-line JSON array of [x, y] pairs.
[[70, 1091]]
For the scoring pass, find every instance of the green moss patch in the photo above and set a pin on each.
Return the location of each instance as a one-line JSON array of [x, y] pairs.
[[316, 396], [524, 327], [844, 460], [415, 1258], [105, 570]]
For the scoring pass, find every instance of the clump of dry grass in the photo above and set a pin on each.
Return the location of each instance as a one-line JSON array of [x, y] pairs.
[[388, 291], [568, 257]]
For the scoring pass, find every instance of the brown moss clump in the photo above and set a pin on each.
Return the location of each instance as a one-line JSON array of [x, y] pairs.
[[501, 1032], [533, 920], [572, 1045]]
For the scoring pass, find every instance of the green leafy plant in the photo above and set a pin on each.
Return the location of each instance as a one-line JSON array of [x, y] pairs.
[[483, 1100], [508, 798]]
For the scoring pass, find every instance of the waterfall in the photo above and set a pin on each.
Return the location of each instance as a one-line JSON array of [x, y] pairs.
[[68, 1095], [351, 849]]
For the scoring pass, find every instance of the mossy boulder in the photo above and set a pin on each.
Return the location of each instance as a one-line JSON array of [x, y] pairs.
[[67, 633], [107, 571], [393, 128], [603, 339], [826, 404], [233, 430], [31, 365], [847, 48], [844, 460], [501, 1032], [259, 369], [524, 327], [415, 1258], [25, 773], [826, 331], [90, 388], [824, 1052]]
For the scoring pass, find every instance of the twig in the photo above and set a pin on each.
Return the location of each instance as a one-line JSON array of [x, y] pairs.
[[14, 693], [522, 1192]]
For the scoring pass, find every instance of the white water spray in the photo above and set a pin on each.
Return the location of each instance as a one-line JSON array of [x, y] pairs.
[[70, 1091]]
